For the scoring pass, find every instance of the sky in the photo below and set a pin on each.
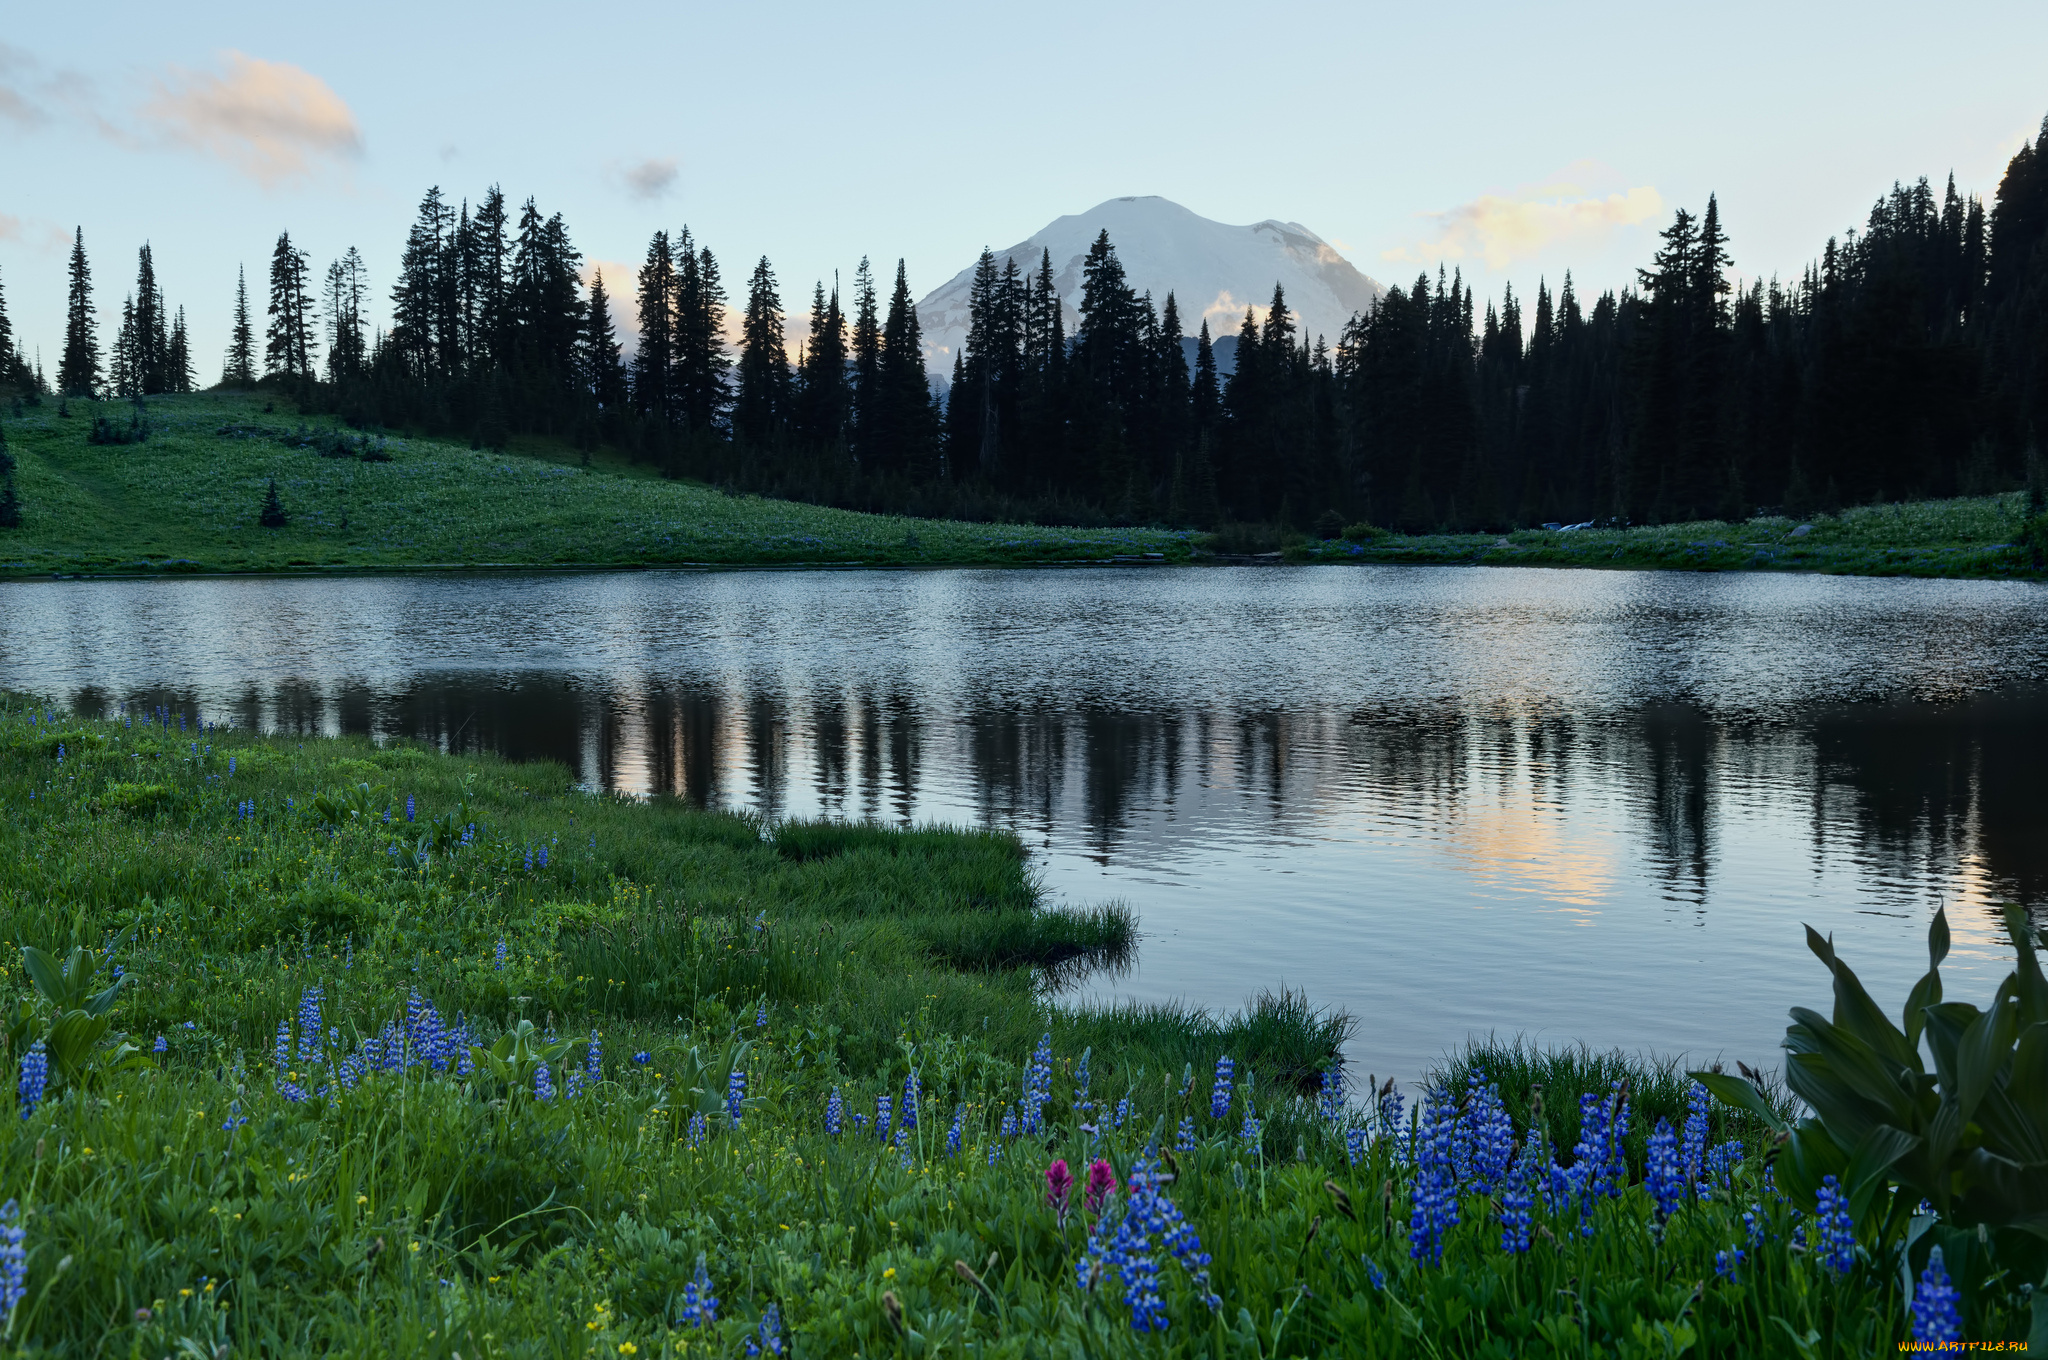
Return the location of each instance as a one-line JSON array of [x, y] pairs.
[[1513, 142]]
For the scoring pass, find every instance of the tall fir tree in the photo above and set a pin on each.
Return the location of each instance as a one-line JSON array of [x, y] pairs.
[[178, 356], [288, 343], [152, 331], [910, 425], [655, 361], [347, 292], [869, 435], [823, 395], [78, 371], [761, 407], [239, 370], [603, 370]]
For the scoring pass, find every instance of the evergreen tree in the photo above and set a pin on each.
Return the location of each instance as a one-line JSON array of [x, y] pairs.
[[824, 397], [347, 290], [701, 361], [288, 343], [869, 437], [604, 372], [178, 357], [654, 364], [761, 408], [10, 503], [151, 341], [240, 368], [272, 515], [78, 371], [909, 419], [486, 280], [123, 365], [423, 300]]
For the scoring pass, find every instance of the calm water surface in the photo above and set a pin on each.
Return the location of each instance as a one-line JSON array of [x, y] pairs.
[[1576, 805]]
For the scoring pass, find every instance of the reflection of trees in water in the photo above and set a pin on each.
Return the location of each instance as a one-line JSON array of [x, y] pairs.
[[1910, 791]]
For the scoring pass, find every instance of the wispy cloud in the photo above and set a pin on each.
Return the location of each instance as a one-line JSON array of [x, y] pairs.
[[651, 178], [17, 105], [1502, 228], [36, 233], [269, 119]]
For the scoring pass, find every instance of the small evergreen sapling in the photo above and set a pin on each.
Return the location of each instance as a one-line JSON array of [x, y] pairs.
[[273, 516], [10, 504]]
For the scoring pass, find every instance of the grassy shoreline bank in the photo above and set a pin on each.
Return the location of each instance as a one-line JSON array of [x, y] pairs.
[[439, 1054], [188, 499]]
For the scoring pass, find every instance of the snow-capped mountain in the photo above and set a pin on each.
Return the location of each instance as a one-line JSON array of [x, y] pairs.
[[1213, 269]]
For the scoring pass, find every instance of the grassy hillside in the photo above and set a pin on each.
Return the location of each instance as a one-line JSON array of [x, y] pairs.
[[422, 1055], [1985, 536], [189, 497]]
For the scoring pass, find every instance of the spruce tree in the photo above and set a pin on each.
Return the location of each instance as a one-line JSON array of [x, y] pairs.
[[761, 407], [151, 338], [346, 291], [78, 371], [701, 361], [823, 394], [868, 436], [288, 343], [273, 515], [10, 503], [909, 418], [8, 359], [654, 363], [178, 357], [603, 370], [240, 367], [121, 369]]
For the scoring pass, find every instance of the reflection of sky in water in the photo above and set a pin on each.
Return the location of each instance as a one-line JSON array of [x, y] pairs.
[[1580, 805]]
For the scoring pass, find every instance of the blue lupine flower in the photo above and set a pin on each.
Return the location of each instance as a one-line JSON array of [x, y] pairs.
[[1330, 1104], [1037, 1086], [529, 859], [1837, 1245], [699, 1130], [882, 1119], [1081, 1082], [408, 803], [1492, 1137], [1436, 1191], [593, 1061], [281, 1054], [771, 1330], [1665, 1175], [1935, 1315], [543, 1083], [231, 764], [995, 1153], [13, 1260], [1726, 1261], [543, 857], [235, 1118], [1372, 1274], [700, 1305], [643, 1057], [735, 1096], [1251, 1129], [309, 1024], [1692, 1149], [1717, 1171], [1185, 1141], [1219, 1098], [1354, 1145], [35, 1077], [1126, 1238], [1123, 1110], [1009, 1128], [501, 954], [162, 1045], [954, 1134], [1518, 1194], [761, 1015], [910, 1091], [835, 1113]]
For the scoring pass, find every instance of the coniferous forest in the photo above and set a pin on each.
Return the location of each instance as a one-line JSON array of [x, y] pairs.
[[1909, 360]]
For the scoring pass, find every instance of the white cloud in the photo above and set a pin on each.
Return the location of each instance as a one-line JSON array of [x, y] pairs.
[[269, 119], [1503, 228]]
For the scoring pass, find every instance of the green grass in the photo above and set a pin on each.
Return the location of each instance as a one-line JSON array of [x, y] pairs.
[[188, 499], [178, 1202], [1983, 536]]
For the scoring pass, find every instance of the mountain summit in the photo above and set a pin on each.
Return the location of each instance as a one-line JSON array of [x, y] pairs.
[[1214, 270]]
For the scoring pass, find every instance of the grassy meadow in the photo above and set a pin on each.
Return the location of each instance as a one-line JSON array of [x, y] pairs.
[[362, 1050], [1981, 536], [190, 497]]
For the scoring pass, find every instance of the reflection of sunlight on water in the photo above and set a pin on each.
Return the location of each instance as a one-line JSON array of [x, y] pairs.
[[1581, 805]]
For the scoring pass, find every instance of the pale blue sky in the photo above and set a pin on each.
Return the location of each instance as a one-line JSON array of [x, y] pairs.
[[1513, 140]]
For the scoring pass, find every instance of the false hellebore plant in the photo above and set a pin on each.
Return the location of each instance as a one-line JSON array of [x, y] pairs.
[[1938, 1155]]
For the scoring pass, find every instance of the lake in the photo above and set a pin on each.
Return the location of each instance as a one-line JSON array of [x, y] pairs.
[[1579, 806]]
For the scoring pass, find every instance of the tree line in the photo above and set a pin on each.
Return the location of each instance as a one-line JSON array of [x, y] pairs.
[[1909, 360]]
